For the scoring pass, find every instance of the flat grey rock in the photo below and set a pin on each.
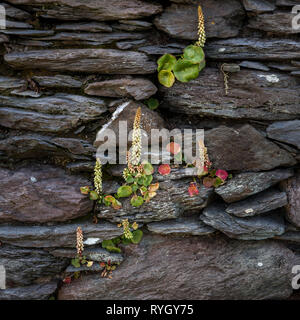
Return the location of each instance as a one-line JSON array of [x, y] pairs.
[[57, 113], [181, 226], [247, 184], [83, 60], [259, 6], [57, 81], [254, 65], [262, 202], [25, 266], [47, 193], [57, 236], [207, 262], [84, 26], [252, 94], [252, 151], [285, 131], [250, 228]]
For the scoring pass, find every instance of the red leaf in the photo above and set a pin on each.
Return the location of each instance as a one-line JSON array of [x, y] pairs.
[[102, 264], [67, 280], [164, 169], [193, 190], [222, 174], [173, 148]]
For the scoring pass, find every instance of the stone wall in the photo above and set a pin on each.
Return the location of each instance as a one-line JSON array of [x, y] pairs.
[[67, 67]]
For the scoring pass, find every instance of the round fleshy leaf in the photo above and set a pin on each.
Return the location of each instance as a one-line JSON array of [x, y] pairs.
[[93, 195], [222, 174], [124, 191], [136, 201], [148, 168], [173, 147], [202, 65], [166, 78], [208, 182], [193, 190], [185, 71], [193, 54], [164, 169], [166, 62], [137, 236], [152, 103]]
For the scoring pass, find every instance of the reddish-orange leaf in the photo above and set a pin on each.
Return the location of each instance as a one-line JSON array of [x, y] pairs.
[[67, 280], [173, 148], [193, 190], [164, 169]]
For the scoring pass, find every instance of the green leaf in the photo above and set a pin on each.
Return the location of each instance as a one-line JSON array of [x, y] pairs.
[[148, 168], [93, 195], [137, 236], [185, 71], [135, 187], [202, 65], [75, 263], [148, 180], [129, 179], [116, 240], [124, 191], [166, 78], [152, 103], [126, 241], [193, 54], [113, 249], [218, 182], [107, 243], [178, 157], [166, 62], [136, 201]]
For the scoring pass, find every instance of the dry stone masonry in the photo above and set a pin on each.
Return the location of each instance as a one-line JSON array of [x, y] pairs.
[[70, 68]]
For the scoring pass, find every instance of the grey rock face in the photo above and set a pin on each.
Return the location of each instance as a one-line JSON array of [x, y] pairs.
[[181, 226], [92, 10], [83, 60], [180, 20], [157, 261], [54, 195], [253, 49], [259, 6], [57, 81], [10, 83], [34, 292], [285, 131], [244, 149], [246, 184], [84, 26], [137, 88], [262, 202], [34, 146], [26, 266], [292, 188], [57, 236], [251, 228], [171, 201], [94, 254], [58, 113], [252, 95], [15, 13]]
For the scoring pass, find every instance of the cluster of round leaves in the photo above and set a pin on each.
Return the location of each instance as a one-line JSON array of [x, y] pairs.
[[184, 69], [112, 245], [138, 184]]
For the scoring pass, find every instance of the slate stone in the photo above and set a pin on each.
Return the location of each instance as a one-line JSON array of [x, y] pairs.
[[181, 21], [91, 10], [27, 266], [57, 235], [254, 65], [27, 33], [15, 13], [57, 81], [262, 202], [84, 26], [247, 184], [250, 228], [171, 202], [137, 88], [57, 113], [157, 263], [259, 6], [285, 131], [33, 292], [252, 95], [54, 196], [253, 49], [244, 149], [181, 226], [10, 83], [83, 60], [292, 188], [94, 254]]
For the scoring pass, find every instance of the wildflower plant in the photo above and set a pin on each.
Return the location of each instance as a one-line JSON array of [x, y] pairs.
[[80, 259], [190, 63]]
